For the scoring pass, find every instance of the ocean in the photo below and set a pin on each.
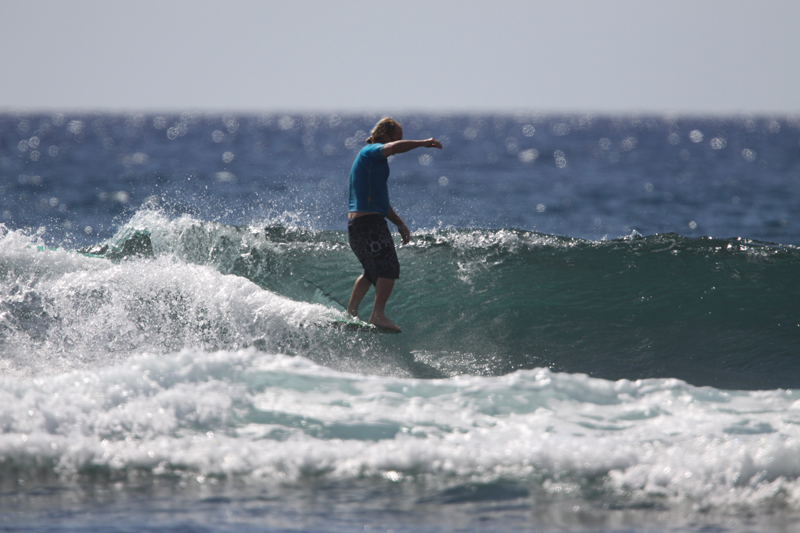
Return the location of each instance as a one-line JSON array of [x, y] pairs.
[[601, 325]]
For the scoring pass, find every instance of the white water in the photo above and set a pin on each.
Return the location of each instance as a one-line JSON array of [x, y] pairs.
[[274, 418]]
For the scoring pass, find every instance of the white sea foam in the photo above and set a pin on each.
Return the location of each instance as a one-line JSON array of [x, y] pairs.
[[61, 310], [25, 259], [504, 239], [273, 418]]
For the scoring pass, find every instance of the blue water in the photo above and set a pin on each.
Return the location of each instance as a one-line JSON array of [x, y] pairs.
[[600, 318]]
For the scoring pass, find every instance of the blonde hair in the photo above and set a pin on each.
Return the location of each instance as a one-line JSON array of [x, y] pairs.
[[385, 126]]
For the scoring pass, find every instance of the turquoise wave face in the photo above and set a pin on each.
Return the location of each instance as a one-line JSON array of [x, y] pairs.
[[488, 302]]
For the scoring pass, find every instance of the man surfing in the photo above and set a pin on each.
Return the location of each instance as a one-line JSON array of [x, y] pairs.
[[368, 209]]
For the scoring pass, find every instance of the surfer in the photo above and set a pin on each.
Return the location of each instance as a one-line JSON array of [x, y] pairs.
[[368, 210]]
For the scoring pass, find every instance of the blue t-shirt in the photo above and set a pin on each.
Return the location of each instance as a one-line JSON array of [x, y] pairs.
[[369, 189]]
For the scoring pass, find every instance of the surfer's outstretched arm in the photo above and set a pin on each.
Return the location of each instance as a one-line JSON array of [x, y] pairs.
[[400, 147]]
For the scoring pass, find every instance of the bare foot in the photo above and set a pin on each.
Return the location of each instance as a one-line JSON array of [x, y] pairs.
[[383, 322]]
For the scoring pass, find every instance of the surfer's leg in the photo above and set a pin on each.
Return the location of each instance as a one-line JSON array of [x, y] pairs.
[[360, 289], [383, 289]]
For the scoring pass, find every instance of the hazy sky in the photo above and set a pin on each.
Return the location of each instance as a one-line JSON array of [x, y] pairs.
[[684, 56]]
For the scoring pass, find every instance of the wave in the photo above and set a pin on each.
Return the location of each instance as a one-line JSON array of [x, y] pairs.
[[471, 301], [202, 417], [531, 367], [61, 310]]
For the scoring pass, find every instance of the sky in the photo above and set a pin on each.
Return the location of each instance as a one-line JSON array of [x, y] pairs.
[[603, 56]]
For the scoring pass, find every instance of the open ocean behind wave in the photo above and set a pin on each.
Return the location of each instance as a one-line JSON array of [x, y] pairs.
[[600, 314]]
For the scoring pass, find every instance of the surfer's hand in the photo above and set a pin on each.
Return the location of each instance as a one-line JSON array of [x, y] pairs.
[[405, 235], [432, 143]]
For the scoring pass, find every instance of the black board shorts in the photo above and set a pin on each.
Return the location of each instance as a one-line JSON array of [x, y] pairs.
[[371, 241]]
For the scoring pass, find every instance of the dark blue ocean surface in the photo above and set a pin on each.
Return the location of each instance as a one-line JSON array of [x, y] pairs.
[[600, 314], [579, 176]]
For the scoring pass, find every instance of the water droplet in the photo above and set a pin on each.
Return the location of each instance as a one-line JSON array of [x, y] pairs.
[[561, 129], [629, 143], [749, 155], [718, 143], [528, 156]]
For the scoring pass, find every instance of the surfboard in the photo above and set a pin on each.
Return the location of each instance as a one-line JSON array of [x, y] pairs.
[[357, 325]]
